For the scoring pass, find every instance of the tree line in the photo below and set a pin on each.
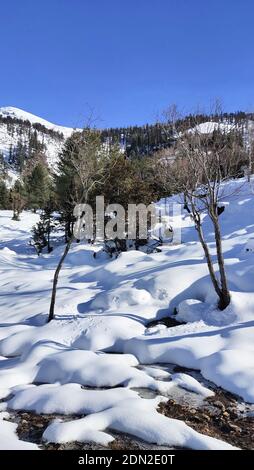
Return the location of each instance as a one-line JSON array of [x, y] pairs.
[[139, 141]]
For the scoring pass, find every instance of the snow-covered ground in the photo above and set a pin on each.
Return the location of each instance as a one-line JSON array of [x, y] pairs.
[[100, 340]]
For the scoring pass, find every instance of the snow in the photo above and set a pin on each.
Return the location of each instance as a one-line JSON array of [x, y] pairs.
[[53, 144], [100, 337], [224, 355], [226, 369], [191, 310], [48, 362], [137, 417], [25, 116], [55, 398], [189, 383], [8, 437], [209, 127]]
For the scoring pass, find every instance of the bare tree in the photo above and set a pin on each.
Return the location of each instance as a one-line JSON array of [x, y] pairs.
[[204, 160], [87, 162]]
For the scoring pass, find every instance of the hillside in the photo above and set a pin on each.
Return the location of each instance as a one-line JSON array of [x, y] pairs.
[[22, 134], [16, 113]]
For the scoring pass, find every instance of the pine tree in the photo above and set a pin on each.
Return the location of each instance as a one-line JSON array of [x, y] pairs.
[[4, 196], [42, 230], [79, 168], [11, 157], [20, 156], [3, 167], [39, 237], [18, 199], [38, 187]]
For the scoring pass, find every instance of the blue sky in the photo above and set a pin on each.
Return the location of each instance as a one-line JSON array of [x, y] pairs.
[[127, 60]]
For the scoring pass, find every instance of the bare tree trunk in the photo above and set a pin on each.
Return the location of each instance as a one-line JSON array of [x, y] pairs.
[[221, 290], [55, 280], [249, 170], [208, 260], [67, 230], [225, 295], [49, 248]]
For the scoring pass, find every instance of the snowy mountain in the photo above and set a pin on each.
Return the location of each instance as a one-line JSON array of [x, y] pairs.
[[22, 133], [25, 116]]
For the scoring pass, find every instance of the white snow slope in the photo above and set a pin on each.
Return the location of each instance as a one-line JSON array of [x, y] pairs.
[[99, 337], [25, 116]]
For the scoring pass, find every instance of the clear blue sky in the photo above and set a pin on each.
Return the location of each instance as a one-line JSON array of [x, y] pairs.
[[126, 59]]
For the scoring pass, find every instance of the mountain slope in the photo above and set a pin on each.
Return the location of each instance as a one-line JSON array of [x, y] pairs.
[[23, 134], [13, 112]]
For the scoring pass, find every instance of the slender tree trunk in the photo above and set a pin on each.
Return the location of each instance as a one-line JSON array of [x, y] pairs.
[[67, 231], [208, 260], [55, 280], [225, 295], [49, 248], [221, 289], [48, 236]]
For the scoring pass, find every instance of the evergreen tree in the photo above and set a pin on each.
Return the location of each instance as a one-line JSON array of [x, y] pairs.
[[35, 145], [4, 196], [20, 156], [3, 167], [18, 199], [38, 187], [39, 236], [131, 182], [42, 230], [81, 170]]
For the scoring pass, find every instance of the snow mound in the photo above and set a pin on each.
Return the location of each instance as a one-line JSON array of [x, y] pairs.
[[137, 417], [95, 332], [48, 362], [190, 310], [191, 384], [224, 355], [232, 370], [55, 398]]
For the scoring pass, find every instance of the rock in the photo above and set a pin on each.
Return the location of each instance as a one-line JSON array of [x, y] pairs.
[[40, 425], [234, 428], [219, 405], [233, 414], [206, 417]]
